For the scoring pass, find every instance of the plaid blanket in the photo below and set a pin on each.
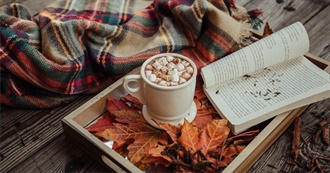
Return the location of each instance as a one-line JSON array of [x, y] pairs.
[[75, 45]]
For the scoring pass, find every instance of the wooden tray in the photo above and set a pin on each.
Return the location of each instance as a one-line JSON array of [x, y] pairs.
[[75, 123]]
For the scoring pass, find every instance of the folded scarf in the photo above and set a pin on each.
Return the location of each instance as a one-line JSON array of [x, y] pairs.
[[75, 45]]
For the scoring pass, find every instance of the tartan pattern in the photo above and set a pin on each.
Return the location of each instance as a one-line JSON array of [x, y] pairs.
[[76, 44]]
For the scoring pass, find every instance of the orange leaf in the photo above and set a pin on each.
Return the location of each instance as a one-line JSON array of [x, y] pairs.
[[101, 124], [157, 152], [171, 130], [128, 116], [267, 30], [114, 104], [202, 119], [147, 138], [189, 137], [232, 150], [214, 135]]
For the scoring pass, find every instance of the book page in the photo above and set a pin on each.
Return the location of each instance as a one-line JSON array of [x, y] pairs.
[[250, 96], [288, 43]]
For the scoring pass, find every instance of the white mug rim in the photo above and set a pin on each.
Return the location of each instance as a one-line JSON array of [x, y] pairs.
[[142, 73]]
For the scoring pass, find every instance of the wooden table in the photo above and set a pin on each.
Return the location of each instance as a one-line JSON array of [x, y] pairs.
[[33, 140]]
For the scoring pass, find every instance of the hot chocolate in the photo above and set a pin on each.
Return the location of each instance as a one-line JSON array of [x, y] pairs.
[[169, 71]]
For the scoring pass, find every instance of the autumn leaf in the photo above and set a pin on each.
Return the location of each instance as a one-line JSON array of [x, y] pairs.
[[267, 30], [199, 93], [128, 116], [114, 105], [101, 124], [157, 152], [203, 118], [229, 154], [213, 135], [133, 101], [171, 130], [144, 141], [189, 137], [121, 146], [203, 145], [146, 137]]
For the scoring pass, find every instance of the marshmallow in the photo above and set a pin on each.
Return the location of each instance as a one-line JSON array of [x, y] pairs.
[[162, 83], [180, 67], [190, 70], [149, 67], [186, 75], [169, 58], [170, 65], [162, 61], [157, 65], [152, 77], [182, 80], [148, 73], [173, 72], [175, 78], [164, 69]]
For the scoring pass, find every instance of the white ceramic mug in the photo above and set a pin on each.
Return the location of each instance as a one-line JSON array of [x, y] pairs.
[[168, 104]]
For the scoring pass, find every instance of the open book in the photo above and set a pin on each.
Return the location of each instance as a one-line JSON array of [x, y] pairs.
[[264, 79]]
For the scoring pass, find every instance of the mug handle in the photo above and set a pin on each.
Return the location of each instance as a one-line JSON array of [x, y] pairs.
[[134, 84]]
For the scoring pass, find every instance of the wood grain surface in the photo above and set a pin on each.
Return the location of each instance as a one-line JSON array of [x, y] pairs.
[[33, 140]]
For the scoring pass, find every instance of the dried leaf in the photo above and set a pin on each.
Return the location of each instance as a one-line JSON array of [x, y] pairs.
[[231, 151], [157, 153], [128, 116], [199, 93], [267, 30], [202, 119], [196, 146], [144, 142], [133, 101], [173, 131], [101, 124], [213, 135], [115, 105], [189, 137], [146, 137]]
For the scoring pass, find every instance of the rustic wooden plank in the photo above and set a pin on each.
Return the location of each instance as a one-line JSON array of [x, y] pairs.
[[278, 17], [307, 12], [6, 2], [319, 34], [33, 6], [59, 156], [30, 130], [276, 157]]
